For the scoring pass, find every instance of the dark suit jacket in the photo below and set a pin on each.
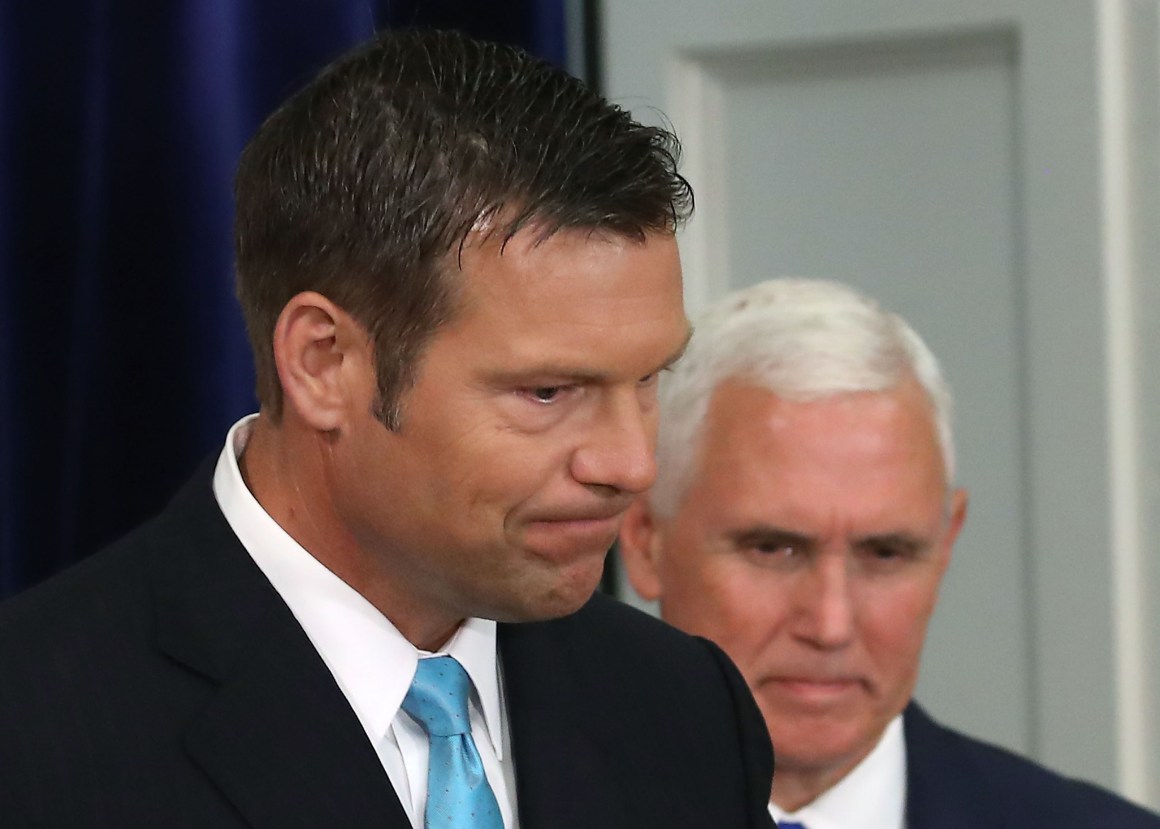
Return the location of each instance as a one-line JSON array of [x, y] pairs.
[[164, 683], [955, 782]]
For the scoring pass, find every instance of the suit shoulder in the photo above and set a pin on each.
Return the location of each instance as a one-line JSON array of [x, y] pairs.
[[618, 630], [90, 586], [630, 652], [990, 773], [106, 586], [622, 672], [57, 637]]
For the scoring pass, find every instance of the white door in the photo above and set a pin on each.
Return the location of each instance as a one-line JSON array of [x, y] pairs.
[[987, 169]]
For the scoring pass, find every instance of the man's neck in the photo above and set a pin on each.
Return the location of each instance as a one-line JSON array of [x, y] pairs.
[[864, 793], [282, 470]]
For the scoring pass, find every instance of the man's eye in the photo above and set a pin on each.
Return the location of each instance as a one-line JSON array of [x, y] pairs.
[[773, 547], [779, 556], [888, 558], [545, 394], [894, 552], [781, 549]]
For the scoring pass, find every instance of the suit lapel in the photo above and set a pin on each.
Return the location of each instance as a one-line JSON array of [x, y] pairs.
[[282, 744], [565, 777], [277, 736]]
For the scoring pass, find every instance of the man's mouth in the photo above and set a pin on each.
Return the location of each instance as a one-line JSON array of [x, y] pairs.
[[817, 690]]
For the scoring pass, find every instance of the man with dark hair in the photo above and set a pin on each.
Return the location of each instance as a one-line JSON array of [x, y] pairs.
[[459, 274]]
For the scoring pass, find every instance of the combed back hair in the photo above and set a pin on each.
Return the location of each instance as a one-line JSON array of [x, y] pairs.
[[803, 340], [365, 185]]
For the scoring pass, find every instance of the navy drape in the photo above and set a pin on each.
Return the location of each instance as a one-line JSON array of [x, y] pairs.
[[122, 354]]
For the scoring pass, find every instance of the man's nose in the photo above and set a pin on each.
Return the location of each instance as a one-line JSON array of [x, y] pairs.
[[619, 449], [824, 607]]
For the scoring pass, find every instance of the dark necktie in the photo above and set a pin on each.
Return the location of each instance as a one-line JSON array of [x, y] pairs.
[[458, 794]]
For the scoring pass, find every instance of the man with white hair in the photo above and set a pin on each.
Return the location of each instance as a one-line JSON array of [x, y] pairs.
[[803, 517]]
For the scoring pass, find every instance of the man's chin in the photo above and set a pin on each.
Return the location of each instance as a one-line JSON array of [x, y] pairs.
[[569, 592], [818, 746]]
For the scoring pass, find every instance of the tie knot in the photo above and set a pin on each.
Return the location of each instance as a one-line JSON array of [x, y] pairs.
[[438, 697]]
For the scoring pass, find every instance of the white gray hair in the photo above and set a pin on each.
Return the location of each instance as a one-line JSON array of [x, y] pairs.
[[802, 339]]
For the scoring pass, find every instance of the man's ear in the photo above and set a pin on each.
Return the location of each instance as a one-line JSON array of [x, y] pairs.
[[323, 360], [957, 514], [640, 548]]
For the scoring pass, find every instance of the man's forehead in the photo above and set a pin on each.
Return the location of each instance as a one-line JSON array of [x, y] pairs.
[[753, 436], [578, 259], [573, 304], [767, 378], [501, 236], [847, 405]]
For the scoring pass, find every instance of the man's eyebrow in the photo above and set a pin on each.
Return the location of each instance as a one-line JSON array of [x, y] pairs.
[[767, 534], [899, 540], [573, 375], [548, 374]]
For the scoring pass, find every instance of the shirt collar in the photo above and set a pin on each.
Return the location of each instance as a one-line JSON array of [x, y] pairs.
[[871, 796], [371, 661]]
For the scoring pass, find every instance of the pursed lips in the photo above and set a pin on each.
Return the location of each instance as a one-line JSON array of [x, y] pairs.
[[815, 688], [605, 511], [581, 530]]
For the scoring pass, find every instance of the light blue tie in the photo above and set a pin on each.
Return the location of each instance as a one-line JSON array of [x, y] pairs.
[[458, 794]]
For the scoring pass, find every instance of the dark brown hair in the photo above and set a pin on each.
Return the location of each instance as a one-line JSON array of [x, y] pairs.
[[364, 183]]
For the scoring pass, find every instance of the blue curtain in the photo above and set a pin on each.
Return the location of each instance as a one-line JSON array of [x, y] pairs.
[[122, 354]]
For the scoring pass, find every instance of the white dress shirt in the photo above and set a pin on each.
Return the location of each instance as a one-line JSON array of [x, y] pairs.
[[871, 796], [371, 661]]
